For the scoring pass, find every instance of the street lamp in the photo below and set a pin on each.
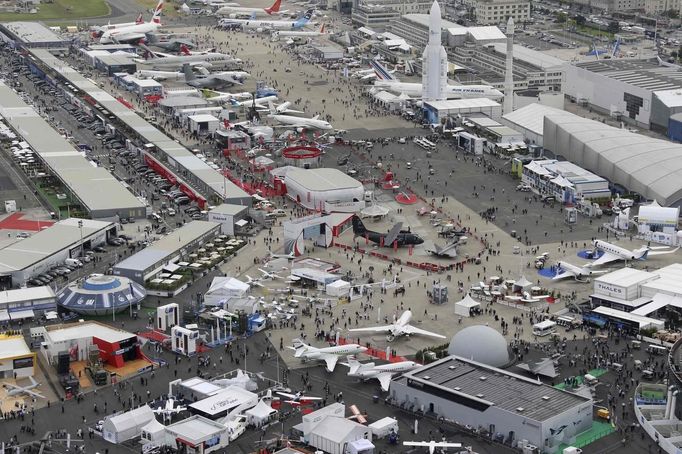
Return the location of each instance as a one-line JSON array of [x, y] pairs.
[[80, 228]]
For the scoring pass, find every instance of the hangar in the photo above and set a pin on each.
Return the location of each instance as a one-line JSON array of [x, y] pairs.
[[313, 188]]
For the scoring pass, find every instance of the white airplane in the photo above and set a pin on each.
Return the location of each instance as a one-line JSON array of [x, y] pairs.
[[432, 445], [214, 96], [134, 32], [296, 33], [612, 253], [213, 80], [234, 11], [527, 298], [298, 398], [386, 81], [98, 30], [400, 327], [241, 380], [167, 75], [268, 275], [383, 373], [289, 256], [566, 270], [16, 390], [217, 3], [251, 281], [301, 123], [330, 355], [169, 409], [250, 102], [206, 59], [268, 24]]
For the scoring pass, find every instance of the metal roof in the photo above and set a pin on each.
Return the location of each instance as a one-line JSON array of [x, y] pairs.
[[533, 57], [65, 333], [26, 294], [229, 209], [467, 103], [13, 346], [32, 32], [496, 387], [76, 172], [485, 33], [532, 117], [646, 74], [196, 428], [324, 179]]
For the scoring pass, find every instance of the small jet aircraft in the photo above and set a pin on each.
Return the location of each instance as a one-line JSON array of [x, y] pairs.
[[241, 380], [432, 445], [566, 270], [298, 398], [268, 275], [383, 373], [527, 298], [401, 327], [395, 235], [251, 281], [613, 253], [449, 250], [289, 256], [169, 409], [330, 355], [16, 390]]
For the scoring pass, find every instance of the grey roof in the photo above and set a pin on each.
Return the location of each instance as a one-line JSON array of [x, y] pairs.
[[32, 32], [182, 101], [496, 387], [68, 164], [196, 428], [29, 251], [324, 179], [229, 209], [334, 428], [530, 56], [532, 117], [167, 246], [646, 74]]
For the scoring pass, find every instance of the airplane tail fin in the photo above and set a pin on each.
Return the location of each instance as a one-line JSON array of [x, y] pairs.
[[184, 50], [156, 18], [283, 107], [148, 53], [358, 227], [322, 28], [381, 72], [354, 366], [139, 19], [33, 381], [274, 8], [189, 75], [304, 19], [272, 108], [300, 347]]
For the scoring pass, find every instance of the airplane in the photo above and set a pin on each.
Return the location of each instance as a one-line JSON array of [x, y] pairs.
[[214, 96], [383, 373], [233, 11], [134, 32], [268, 24], [214, 80], [386, 81], [167, 75], [432, 445], [98, 30], [241, 380], [330, 355], [527, 298], [171, 45], [207, 59], [169, 409], [251, 281], [301, 123], [448, 250], [295, 33], [566, 270], [16, 390], [400, 327], [250, 102], [268, 275], [401, 237], [612, 253], [298, 398], [289, 256]]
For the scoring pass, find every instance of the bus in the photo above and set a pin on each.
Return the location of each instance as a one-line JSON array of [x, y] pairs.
[[544, 328], [428, 145], [657, 349]]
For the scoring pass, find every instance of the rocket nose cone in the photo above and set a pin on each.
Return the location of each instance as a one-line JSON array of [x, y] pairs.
[[435, 10]]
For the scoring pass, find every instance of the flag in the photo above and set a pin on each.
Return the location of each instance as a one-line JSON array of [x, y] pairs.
[[395, 245], [381, 241], [410, 249], [366, 239]]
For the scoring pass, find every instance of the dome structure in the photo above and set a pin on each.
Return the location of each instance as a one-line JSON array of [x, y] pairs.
[[482, 344], [101, 294]]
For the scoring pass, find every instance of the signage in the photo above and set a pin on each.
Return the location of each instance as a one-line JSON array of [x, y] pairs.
[[224, 404], [609, 289]]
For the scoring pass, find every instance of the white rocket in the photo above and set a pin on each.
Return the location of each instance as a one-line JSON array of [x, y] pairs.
[[509, 72], [435, 60]]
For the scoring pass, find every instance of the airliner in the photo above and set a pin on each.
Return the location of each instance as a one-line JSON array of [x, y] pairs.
[[134, 32], [98, 30], [385, 80], [296, 33], [236, 10], [613, 253], [302, 123], [400, 327], [330, 355], [268, 24], [206, 59]]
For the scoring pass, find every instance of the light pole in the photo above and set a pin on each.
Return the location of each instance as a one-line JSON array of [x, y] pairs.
[[81, 254]]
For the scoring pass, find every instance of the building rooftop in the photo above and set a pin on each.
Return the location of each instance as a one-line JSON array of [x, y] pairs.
[[423, 20], [64, 333], [625, 277], [532, 117], [533, 57], [12, 346], [324, 179], [451, 104], [196, 428], [26, 294], [32, 32], [486, 33], [646, 73], [484, 386], [229, 209]]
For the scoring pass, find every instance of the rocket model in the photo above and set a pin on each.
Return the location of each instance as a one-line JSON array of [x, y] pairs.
[[509, 73], [435, 60]]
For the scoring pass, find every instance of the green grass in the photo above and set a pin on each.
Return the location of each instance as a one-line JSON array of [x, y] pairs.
[[62, 9], [599, 429], [596, 373]]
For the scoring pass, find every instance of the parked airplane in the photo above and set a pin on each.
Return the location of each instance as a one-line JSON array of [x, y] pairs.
[[171, 45], [98, 30], [289, 256], [135, 32], [300, 123], [241, 380], [268, 275], [383, 373], [268, 24], [526, 297], [432, 445], [298, 398], [449, 250], [401, 237], [400, 327], [207, 59], [566, 270], [260, 102], [169, 409], [213, 80], [16, 390], [168, 75], [214, 96], [385, 80], [251, 281], [612, 253], [234, 11], [330, 355], [295, 33]]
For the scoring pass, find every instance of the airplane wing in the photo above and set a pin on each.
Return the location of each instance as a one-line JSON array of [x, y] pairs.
[[34, 394], [392, 234], [606, 258], [440, 444], [409, 329], [563, 274], [128, 37], [652, 252], [375, 329], [287, 395], [310, 398], [10, 385], [330, 360], [385, 380]]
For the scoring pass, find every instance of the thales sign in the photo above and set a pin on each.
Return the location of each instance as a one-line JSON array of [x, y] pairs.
[[609, 289]]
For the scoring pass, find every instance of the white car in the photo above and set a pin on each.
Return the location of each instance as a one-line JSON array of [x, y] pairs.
[[523, 188]]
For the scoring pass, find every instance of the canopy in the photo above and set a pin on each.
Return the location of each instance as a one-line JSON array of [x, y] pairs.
[[338, 288], [374, 210], [25, 313], [464, 307], [241, 223], [523, 282], [259, 414], [154, 431], [4, 316]]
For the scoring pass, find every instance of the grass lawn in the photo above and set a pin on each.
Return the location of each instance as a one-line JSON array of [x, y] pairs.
[[168, 8], [62, 9]]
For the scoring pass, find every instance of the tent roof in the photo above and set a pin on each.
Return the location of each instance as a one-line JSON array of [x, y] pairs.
[[231, 283], [131, 419], [468, 301], [374, 210], [261, 410], [154, 427], [339, 284], [523, 282]]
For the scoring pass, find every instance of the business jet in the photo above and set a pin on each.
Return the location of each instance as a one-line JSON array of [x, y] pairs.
[[395, 235], [16, 390], [251, 281], [386, 81], [566, 270], [432, 445], [330, 355], [298, 398], [289, 256], [268, 24], [300, 123], [400, 327], [268, 275], [169, 409], [526, 297], [449, 250], [613, 253], [98, 30], [383, 373], [234, 11], [135, 32]]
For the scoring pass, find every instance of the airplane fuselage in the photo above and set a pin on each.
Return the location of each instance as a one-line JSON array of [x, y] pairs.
[[623, 253], [403, 238]]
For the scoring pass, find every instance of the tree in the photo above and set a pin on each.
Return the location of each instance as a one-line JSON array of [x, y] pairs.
[[672, 13], [674, 54], [561, 18], [580, 20], [613, 27]]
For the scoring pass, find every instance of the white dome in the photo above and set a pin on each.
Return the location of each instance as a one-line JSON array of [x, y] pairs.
[[482, 344]]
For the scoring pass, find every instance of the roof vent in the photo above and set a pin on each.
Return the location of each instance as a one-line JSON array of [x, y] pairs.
[[483, 378], [480, 396], [426, 377], [451, 367], [545, 397], [457, 388], [520, 409]]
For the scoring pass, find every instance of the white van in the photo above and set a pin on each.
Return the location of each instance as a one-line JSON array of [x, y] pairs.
[[73, 262]]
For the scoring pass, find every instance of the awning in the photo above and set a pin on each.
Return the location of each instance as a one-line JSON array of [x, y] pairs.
[[4, 316], [18, 315], [51, 315], [241, 223]]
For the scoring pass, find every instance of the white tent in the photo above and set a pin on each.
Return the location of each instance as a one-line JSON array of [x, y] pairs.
[[260, 414], [374, 210], [125, 426], [154, 432], [222, 288], [338, 288], [464, 307], [522, 282]]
